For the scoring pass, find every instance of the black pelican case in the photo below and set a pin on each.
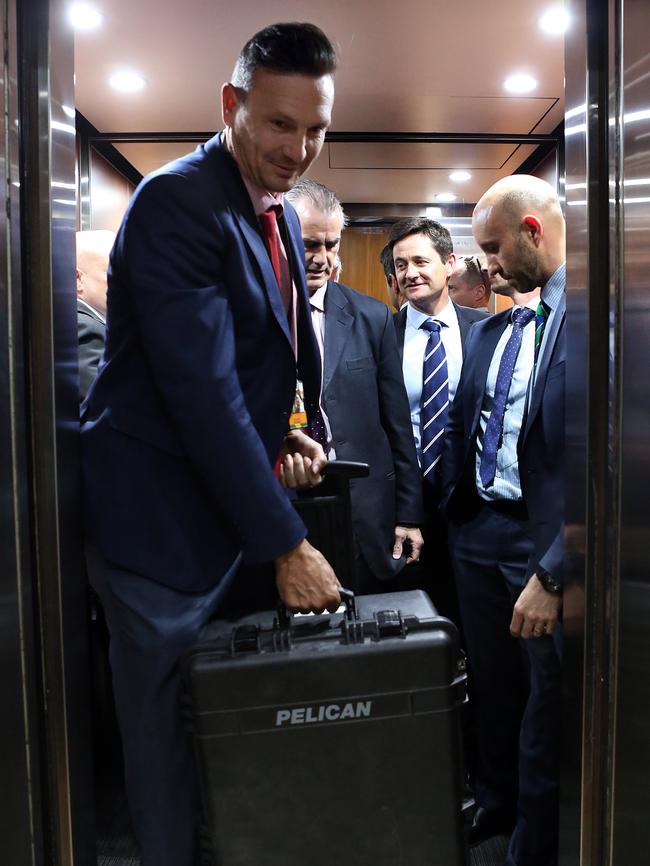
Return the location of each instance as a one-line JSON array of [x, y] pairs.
[[330, 738]]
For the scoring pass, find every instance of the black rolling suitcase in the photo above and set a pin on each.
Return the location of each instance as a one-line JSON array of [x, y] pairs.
[[330, 739]]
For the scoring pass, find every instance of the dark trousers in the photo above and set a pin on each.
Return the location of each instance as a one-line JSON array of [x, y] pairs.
[[516, 685], [151, 626]]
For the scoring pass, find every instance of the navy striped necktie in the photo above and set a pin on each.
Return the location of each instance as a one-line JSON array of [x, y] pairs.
[[494, 427], [434, 404]]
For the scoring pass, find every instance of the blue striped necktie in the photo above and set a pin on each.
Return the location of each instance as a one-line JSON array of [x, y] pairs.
[[434, 404], [494, 427]]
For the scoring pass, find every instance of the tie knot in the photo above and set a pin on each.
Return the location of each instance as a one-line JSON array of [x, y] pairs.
[[541, 312], [269, 218], [522, 316], [431, 325]]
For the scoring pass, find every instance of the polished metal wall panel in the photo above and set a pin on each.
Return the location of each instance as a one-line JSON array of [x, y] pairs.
[[44, 727], [591, 536], [631, 841], [20, 804]]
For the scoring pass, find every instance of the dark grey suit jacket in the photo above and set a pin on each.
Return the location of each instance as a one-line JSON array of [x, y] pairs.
[[92, 337], [367, 407]]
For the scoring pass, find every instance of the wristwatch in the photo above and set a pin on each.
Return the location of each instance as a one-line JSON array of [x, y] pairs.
[[549, 583]]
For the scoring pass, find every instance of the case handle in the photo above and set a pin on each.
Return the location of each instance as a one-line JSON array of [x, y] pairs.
[[347, 598]]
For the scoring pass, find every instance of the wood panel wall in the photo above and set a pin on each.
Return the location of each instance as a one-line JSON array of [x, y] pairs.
[[362, 270]]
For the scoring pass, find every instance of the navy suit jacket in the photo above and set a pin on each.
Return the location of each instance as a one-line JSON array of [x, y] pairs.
[[366, 403], [541, 442], [182, 427], [467, 316]]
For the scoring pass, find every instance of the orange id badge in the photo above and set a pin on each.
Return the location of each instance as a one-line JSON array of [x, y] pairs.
[[298, 418]]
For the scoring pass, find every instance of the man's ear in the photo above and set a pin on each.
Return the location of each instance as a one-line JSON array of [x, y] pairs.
[[533, 227], [80, 279], [229, 103], [451, 264]]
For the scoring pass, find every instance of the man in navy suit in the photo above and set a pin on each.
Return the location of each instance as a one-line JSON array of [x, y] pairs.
[[424, 260], [503, 486], [363, 400], [208, 333]]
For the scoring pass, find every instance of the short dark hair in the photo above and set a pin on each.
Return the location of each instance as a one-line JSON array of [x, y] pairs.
[[387, 263], [437, 234], [320, 196], [293, 49]]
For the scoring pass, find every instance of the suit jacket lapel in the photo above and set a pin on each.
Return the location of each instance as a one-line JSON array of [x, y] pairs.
[[464, 326], [542, 371], [484, 352], [400, 329], [245, 217], [338, 323]]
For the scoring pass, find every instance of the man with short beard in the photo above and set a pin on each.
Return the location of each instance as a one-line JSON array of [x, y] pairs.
[[503, 488]]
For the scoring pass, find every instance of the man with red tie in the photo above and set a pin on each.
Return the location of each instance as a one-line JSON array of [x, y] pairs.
[[209, 341]]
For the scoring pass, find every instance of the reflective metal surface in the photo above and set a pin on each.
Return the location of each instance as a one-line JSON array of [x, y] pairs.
[[44, 729], [607, 611], [631, 829], [20, 802]]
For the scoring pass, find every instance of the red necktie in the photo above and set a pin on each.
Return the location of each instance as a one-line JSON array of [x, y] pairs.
[[269, 222]]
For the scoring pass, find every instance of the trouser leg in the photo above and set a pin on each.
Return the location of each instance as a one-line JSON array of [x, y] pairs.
[[151, 627], [482, 550]]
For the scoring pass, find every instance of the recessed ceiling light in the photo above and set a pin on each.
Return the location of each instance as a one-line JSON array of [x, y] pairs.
[[126, 81], [446, 197], [460, 176], [555, 20], [520, 83], [84, 17]]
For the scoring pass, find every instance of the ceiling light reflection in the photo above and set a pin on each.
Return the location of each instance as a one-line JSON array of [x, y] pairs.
[[555, 20], [84, 17], [126, 81], [520, 83], [460, 176]]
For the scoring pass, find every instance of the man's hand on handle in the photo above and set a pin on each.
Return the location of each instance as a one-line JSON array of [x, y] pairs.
[[302, 462], [305, 580]]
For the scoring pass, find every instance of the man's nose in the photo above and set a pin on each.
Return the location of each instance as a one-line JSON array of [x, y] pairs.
[[295, 148], [411, 272]]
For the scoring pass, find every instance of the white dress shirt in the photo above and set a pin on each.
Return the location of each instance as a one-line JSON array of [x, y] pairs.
[[415, 343], [317, 303]]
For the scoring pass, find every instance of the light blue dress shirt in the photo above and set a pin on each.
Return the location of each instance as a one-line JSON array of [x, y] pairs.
[[507, 484], [415, 342]]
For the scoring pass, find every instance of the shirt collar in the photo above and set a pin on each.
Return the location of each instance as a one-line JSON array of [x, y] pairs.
[[554, 288], [262, 199], [447, 316], [317, 300], [100, 316]]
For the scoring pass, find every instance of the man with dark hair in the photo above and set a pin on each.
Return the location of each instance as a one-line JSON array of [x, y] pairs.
[[394, 294], [469, 285], [503, 484], [431, 335], [363, 402], [208, 332]]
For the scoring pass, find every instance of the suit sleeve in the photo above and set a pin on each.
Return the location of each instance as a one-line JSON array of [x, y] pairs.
[[455, 434], [396, 421], [553, 559], [91, 346], [172, 251]]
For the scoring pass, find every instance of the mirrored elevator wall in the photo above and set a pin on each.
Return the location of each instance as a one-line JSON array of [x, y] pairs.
[[607, 604], [46, 814]]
